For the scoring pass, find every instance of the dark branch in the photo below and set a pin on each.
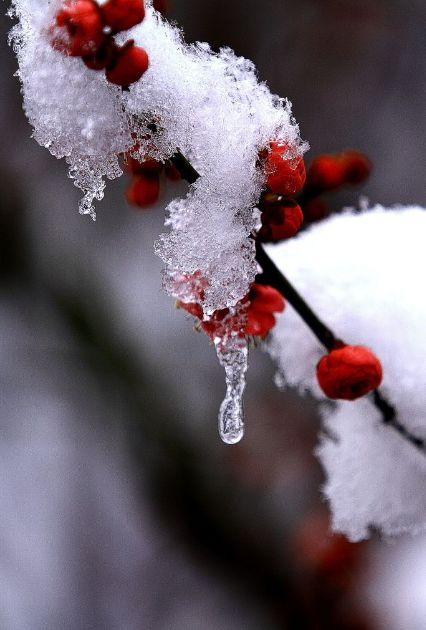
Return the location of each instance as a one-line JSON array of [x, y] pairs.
[[185, 168], [273, 276], [390, 418]]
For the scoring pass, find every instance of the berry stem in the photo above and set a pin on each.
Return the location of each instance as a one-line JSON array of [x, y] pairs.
[[272, 276]]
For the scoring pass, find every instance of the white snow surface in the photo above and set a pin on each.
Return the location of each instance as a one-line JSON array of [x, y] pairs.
[[209, 105], [363, 273]]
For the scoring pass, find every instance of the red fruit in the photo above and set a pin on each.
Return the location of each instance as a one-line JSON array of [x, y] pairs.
[[120, 15], [147, 166], [349, 372], [280, 221], [327, 172], [172, 173], [150, 166], [103, 56], [161, 5], [130, 63], [285, 176], [214, 325], [257, 320], [83, 21], [144, 190], [323, 553], [265, 299], [258, 323], [191, 307], [315, 209], [357, 167]]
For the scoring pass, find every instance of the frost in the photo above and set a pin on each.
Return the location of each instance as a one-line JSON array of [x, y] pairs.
[[208, 104], [364, 275]]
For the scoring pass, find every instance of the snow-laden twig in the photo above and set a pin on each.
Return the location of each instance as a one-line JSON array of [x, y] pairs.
[[209, 105], [273, 276], [364, 273]]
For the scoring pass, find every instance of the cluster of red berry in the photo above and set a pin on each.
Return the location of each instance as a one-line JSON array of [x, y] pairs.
[[252, 316], [328, 173], [347, 372], [294, 196], [89, 34], [282, 216], [144, 188]]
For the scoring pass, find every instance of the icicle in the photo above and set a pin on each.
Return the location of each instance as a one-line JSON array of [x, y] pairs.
[[233, 356]]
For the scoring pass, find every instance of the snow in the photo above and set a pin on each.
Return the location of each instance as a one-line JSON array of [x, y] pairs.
[[209, 105], [73, 111], [363, 273]]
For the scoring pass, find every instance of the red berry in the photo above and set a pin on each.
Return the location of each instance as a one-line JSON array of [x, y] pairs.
[[349, 372], [214, 325], [191, 307], [357, 167], [258, 323], [264, 302], [257, 320], [315, 209], [120, 15], [103, 56], [280, 221], [144, 190], [172, 173], [83, 21], [161, 5], [130, 63], [149, 165], [265, 299], [285, 176], [326, 554], [327, 172]]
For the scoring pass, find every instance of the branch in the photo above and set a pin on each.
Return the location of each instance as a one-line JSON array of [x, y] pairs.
[[273, 276]]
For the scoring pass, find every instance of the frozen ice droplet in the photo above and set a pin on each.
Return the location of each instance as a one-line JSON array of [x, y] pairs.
[[233, 356]]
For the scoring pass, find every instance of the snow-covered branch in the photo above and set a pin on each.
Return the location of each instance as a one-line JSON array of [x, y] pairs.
[[107, 84], [364, 273]]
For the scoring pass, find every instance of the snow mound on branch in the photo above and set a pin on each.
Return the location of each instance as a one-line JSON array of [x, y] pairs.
[[209, 105], [74, 112], [364, 276]]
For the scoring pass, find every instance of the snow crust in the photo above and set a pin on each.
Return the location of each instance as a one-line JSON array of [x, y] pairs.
[[209, 105], [363, 273]]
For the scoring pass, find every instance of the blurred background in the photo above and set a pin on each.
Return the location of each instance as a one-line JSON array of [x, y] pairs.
[[119, 507]]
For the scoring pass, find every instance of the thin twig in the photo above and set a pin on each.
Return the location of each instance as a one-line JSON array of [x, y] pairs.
[[185, 168], [390, 418], [273, 276]]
